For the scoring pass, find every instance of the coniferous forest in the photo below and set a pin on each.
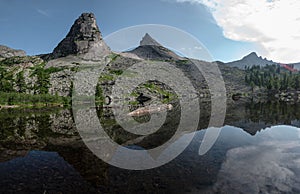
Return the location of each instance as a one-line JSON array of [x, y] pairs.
[[272, 77]]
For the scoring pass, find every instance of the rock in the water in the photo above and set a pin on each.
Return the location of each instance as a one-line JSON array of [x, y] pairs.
[[84, 39], [6, 52]]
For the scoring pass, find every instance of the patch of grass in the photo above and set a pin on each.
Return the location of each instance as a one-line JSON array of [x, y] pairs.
[[129, 73], [18, 60], [150, 86], [182, 62], [74, 69], [133, 103], [116, 72], [106, 77], [134, 94], [153, 88], [114, 56]]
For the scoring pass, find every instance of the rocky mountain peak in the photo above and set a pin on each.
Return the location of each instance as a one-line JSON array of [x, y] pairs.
[[84, 38], [252, 55], [150, 49], [148, 40], [250, 60]]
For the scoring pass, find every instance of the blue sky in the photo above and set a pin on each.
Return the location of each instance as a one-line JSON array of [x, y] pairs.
[[37, 26]]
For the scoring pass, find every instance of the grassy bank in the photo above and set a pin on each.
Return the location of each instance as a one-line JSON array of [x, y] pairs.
[[29, 100]]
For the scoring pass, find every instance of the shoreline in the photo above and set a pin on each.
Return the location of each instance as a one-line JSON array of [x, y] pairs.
[[30, 106]]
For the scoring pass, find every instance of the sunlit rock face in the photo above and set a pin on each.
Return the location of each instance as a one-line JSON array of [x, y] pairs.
[[84, 38]]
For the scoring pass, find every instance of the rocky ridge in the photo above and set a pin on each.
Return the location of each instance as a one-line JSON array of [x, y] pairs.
[[6, 52], [250, 60]]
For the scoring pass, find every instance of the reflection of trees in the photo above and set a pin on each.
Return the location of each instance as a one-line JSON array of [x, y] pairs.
[[272, 112], [256, 116], [122, 137], [29, 127]]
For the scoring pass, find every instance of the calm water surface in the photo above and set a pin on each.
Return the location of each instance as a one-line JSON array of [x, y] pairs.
[[258, 151]]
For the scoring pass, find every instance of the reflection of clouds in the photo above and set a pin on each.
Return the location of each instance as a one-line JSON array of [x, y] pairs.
[[270, 166]]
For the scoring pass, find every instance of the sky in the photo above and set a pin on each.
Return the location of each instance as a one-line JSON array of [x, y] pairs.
[[229, 29]]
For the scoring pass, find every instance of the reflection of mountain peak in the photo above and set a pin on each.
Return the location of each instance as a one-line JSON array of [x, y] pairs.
[[250, 127]]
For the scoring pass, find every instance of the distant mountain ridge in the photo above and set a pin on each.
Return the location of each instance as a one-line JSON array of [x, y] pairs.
[[250, 60], [253, 59]]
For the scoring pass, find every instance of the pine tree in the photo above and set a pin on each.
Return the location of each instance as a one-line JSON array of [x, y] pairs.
[[20, 82], [252, 85]]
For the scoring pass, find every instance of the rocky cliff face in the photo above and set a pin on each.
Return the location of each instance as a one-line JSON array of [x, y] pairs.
[[83, 39], [82, 45], [6, 52]]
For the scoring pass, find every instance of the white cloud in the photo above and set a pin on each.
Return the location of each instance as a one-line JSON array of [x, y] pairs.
[[273, 25], [43, 12]]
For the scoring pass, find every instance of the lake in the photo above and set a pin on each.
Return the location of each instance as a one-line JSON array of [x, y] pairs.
[[257, 151]]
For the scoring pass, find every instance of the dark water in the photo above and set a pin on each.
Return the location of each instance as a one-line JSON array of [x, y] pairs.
[[258, 151]]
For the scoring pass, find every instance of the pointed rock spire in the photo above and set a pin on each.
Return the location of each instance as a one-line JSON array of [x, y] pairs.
[[148, 40], [84, 38], [151, 49]]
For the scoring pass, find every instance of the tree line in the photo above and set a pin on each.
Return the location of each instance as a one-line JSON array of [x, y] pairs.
[[15, 90], [272, 77]]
